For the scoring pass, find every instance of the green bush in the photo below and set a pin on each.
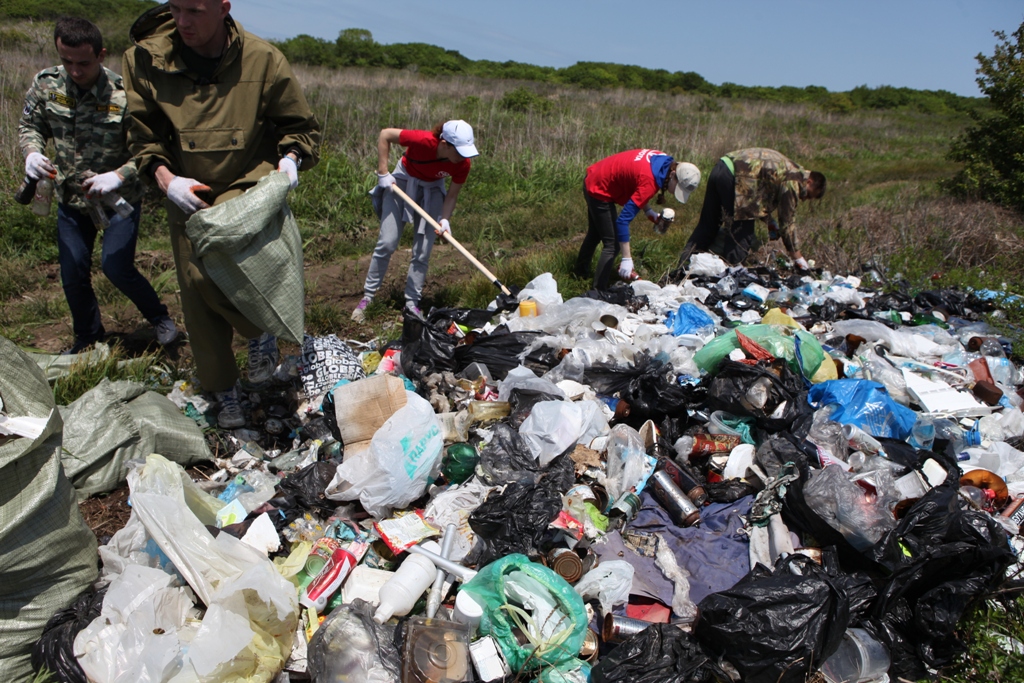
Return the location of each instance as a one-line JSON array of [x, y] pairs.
[[992, 148], [524, 100]]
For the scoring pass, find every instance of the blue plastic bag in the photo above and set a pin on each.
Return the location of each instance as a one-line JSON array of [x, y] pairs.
[[689, 319], [866, 404]]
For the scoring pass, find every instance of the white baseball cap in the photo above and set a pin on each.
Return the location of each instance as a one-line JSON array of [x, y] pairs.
[[459, 135], [687, 180]]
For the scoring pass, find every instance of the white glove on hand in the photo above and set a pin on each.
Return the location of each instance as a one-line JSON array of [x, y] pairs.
[[181, 191], [445, 226], [626, 269], [102, 184], [288, 165], [38, 167], [385, 181], [801, 263], [652, 215]]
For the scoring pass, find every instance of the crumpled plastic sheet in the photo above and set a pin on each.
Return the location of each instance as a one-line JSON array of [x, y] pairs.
[[555, 426], [143, 633], [609, 582], [351, 646], [454, 505]]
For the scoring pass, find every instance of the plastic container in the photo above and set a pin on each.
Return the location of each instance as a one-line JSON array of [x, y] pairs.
[[413, 578], [527, 308], [467, 609], [436, 651], [488, 411], [328, 581], [859, 659], [43, 197]]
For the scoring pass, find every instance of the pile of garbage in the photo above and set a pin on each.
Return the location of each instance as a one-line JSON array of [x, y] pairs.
[[742, 476]]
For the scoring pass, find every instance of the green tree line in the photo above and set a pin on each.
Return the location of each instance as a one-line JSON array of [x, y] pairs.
[[356, 47]]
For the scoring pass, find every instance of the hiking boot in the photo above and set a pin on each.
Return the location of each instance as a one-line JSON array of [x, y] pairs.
[[263, 358], [230, 415], [166, 331], [359, 314], [80, 346]]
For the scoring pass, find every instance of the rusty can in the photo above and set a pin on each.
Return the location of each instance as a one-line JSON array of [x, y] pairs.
[[706, 444], [566, 563], [601, 496], [379, 556], [617, 629], [591, 646], [676, 503], [581, 493], [686, 482]]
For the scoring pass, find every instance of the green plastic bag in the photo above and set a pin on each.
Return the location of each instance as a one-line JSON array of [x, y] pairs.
[[494, 586], [800, 349]]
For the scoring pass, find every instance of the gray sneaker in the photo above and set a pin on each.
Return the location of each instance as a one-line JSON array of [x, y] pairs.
[[263, 358], [166, 331], [230, 415]]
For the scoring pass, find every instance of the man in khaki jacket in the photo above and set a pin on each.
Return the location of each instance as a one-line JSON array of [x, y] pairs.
[[213, 110]]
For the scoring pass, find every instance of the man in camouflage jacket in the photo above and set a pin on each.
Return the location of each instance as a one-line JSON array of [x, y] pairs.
[[751, 184], [81, 107]]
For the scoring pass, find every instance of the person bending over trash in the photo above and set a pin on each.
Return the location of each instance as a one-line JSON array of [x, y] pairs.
[[746, 185], [628, 179], [214, 109], [430, 157], [80, 105]]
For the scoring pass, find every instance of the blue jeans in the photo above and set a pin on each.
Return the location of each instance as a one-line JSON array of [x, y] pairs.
[[76, 235]]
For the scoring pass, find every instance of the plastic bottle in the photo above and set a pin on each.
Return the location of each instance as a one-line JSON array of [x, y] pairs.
[[26, 191], [99, 215], [118, 204], [488, 411], [950, 431], [43, 197], [860, 657], [923, 435], [399, 595]]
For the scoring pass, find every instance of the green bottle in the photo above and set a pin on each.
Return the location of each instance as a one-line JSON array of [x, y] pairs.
[[459, 462]]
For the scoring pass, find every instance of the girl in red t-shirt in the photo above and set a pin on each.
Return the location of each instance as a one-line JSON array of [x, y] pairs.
[[430, 157]]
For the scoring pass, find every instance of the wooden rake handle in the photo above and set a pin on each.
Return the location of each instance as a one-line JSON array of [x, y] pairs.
[[451, 240]]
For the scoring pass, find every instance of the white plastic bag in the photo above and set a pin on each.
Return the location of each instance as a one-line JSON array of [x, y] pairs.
[[551, 428], [609, 582], [544, 290], [396, 469], [707, 264]]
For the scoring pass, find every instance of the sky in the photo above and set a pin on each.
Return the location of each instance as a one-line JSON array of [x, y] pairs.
[[923, 44]]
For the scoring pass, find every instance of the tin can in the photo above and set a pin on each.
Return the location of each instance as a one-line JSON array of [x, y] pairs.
[[601, 495], [566, 563], [624, 510], [706, 444], [591, 646], [581, 493], [617, 629], [320, 554], [686, 482], [676, 503], [617, 406], [1015, 511], [379, 556]]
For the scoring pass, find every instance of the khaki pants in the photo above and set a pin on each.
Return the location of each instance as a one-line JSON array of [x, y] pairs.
[[210, 317]]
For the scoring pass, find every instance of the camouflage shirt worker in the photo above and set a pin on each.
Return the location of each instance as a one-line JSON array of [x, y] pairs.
[[88, 127], [766, 182]]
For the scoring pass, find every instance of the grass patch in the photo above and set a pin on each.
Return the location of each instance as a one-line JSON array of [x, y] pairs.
[[146, 369]]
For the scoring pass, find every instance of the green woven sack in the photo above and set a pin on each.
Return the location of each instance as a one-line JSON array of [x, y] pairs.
[[252, 249]]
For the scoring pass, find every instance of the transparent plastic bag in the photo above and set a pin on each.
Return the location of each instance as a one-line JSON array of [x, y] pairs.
[[847, 507], [350, 646], [609, 583], [397, 467]]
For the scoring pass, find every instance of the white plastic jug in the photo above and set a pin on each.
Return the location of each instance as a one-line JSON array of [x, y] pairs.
[[413, 578]]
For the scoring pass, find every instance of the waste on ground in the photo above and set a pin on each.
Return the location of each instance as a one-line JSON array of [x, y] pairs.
[[746, 476]]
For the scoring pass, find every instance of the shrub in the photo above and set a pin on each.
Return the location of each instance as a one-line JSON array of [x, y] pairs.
[[992, 148], [523, 100]]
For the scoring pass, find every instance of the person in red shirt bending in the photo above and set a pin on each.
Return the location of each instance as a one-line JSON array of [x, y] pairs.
[[627, 179], [430, 157]]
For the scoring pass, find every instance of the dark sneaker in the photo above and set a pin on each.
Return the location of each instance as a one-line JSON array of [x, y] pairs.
[[166, 331], [230, 415], [263, 358]]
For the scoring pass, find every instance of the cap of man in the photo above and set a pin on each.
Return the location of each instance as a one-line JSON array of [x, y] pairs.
[[200, 24]]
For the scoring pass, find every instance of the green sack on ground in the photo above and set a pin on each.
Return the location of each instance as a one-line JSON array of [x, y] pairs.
[[135, 423], [556, 636], [780, 341], [47, 553], [251, 247]]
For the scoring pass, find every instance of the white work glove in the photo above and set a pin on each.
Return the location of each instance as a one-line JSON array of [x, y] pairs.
[[182, 191], [288, 165], [626, 269], [102, 184], [652, 215], [385, 181], [38, 167], [801, 263], [445, 226]]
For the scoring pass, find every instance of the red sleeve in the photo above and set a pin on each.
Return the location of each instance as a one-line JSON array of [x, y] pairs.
[[645, 189]]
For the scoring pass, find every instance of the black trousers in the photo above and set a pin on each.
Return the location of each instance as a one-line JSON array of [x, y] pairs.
[[601, 218], [717, 214]]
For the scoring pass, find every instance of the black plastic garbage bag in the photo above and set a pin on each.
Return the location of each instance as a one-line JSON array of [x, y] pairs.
[[427, 347], [507, 458], [776, 625], [649, 387], [513, 520], [500, 352], [55, 649], [661, 653], [302, 491], [772, 394], [942, 558], [522, 401], [621, 296]]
